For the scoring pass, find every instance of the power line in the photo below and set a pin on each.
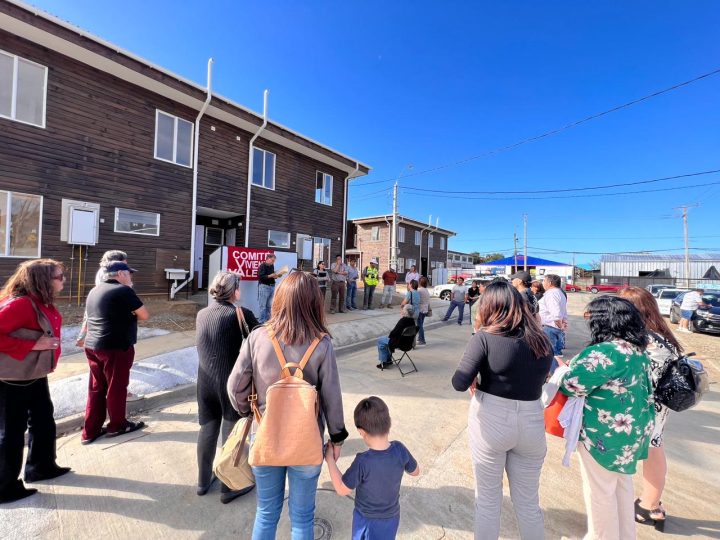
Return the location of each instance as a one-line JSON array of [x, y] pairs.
[[553, 131], [437, 195], [606, 186]]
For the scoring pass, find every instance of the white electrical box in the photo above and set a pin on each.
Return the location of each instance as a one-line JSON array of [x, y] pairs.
[[80, 222]]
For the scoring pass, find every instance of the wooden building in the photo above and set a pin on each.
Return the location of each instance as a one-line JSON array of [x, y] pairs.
[[424, 246], [98, 151]]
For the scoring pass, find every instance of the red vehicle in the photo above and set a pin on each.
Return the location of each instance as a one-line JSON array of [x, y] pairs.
[[604, 287], [569, 287]]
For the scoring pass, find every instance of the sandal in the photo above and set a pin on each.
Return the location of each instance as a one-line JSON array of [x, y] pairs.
[[129, 428], [654, 516]]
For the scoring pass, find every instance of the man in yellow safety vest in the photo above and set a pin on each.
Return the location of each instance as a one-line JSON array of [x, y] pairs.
[[370, 279]]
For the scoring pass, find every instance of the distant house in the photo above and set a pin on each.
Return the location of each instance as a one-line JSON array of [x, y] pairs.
[[419, 244], [97, 152], [460, 260]]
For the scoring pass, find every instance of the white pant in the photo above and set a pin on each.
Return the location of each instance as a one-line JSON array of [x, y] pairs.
[[507, 435], [609, 500], [387, 296]]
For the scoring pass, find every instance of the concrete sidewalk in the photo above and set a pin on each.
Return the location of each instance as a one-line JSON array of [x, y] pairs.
[[142, 485]]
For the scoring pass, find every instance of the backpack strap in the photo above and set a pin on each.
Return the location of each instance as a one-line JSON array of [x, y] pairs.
[[297, 366]]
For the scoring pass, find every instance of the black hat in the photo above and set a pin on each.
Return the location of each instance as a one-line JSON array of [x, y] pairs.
[[522, 275], [117, 266]]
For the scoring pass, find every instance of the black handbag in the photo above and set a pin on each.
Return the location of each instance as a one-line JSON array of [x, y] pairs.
[[682, 385]]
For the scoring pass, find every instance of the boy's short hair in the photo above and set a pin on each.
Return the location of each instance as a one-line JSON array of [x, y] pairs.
[[373, 416]]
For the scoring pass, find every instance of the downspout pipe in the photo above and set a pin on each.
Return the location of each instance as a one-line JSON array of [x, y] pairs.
[[429, 226], [250, 167], [349, 177], [196, 154]]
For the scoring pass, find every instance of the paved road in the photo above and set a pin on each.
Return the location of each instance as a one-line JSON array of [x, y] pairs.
[[142, 485]]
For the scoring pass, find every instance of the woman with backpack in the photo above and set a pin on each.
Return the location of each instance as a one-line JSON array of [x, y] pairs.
[[662, 348], [297, 335]]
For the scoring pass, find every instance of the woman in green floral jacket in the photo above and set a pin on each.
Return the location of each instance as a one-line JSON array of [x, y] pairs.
[[613, 375]]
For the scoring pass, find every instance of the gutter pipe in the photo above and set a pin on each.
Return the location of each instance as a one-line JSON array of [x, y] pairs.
[[250, 167], [196, 154], [429, 226]]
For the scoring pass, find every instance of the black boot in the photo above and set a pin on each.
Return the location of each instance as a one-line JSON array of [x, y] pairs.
[[15, 492], [38, 475]]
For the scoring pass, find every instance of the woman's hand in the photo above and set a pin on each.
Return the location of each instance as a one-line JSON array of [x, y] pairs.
[[46, 343]]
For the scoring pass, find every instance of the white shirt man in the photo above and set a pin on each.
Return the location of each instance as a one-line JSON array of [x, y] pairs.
[[412, 274], [553, 316]]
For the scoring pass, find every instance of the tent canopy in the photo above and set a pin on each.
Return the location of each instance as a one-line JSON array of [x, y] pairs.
[[712, 273], [531, 261]]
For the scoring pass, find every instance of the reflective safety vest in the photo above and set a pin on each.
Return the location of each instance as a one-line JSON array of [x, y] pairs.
[[372, 276]]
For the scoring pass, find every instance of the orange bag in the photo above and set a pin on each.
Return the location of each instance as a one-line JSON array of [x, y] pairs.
[[552, 411], [288, 433]]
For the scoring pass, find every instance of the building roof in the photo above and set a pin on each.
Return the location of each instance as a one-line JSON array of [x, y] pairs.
[[49, 31], [531, 261], [403, 219], [453, 252], [658, 257]]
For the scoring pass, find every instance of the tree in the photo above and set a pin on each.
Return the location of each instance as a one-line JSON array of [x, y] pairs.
[[489, 257]]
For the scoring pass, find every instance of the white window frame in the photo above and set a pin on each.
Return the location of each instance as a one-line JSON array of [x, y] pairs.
[[400, 265], [13, 96], [418, 238], [409, 263], [442, 242], [430, 240], [8, 225], [286, 245], [326, 178], [115, 222], [176, 120], [375, 233], [264, 153], [401, 234]]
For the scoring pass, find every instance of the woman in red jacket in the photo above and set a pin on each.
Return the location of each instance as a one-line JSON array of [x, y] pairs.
[[26, 403]]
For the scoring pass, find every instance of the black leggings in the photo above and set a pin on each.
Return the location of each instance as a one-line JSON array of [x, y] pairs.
[[25, 405], [207, 446]]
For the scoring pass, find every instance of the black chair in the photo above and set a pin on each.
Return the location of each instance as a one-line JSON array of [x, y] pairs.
[[406, 344]]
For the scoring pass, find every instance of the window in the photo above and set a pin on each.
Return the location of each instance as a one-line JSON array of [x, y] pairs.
[[321, 251], [433, 264], [23, 90], [279, 239], [173, 139], [430, 240], [323, 188], [401, 234], [375, 234], [418, 238], [409, 263], [214, 236], [442, 242], [137, 222], [400, 265], [263, 165], [20, 224]]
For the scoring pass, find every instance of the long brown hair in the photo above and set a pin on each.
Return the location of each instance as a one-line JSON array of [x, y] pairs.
[[298, 310], [33, 278], [503, 311], [648, 308]]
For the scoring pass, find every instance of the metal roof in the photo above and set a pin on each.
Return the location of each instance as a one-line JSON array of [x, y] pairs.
[[659, 257], [520, 260]]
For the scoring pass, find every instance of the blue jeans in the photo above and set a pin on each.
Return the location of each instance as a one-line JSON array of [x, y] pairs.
[[421, 330], [453, 305], [374, 529], [557, 342], [270, 482], [383, 345], [265, 298], [350, 298]]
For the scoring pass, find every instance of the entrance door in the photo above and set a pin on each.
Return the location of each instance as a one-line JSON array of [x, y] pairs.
[[199, 245], [423, 266]]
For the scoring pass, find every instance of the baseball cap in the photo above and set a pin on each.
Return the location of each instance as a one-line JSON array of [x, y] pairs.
[[117, 266], [374, 261], [522, 276]]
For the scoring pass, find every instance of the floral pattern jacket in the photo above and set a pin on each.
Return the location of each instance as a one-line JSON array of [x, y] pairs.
[[618, 420]]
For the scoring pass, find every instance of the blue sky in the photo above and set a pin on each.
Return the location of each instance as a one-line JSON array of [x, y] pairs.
[[433, 83]]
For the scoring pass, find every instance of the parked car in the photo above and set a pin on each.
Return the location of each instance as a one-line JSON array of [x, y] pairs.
[[444, 292], [656, 287], [570, 287], [664, 299], [604, 287], [704, 319]]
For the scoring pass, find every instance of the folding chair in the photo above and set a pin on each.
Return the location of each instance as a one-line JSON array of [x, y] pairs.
[[407, 342]]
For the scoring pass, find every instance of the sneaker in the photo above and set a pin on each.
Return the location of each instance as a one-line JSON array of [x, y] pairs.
[[384, 365], [129, 428], [421, 343], [389, 306]]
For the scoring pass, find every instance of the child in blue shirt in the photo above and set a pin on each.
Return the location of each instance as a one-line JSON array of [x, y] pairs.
[[375, 474]]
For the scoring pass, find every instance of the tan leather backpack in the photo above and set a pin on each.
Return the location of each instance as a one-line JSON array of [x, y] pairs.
[[288, 432]]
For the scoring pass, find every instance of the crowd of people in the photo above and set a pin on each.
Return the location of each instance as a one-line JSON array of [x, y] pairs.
[[517, 346]]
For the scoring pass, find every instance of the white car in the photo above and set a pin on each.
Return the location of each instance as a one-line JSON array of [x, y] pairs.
[[443, 292], [664, 298]]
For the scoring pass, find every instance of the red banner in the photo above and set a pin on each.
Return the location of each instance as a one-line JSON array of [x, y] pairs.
[[246, 261]]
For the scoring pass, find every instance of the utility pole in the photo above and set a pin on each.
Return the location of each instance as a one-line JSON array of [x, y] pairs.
[[515, 251], [393, 233], [684, 209], [525, 249]]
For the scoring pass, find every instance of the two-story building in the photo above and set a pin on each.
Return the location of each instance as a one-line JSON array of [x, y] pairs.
[[101, 149], [460, 260], [421, 245]]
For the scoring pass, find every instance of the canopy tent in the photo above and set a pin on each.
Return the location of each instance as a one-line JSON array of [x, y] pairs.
[[520, 261], [712, 273]]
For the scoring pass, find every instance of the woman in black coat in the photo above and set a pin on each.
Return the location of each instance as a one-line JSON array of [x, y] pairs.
[[220, 330]]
